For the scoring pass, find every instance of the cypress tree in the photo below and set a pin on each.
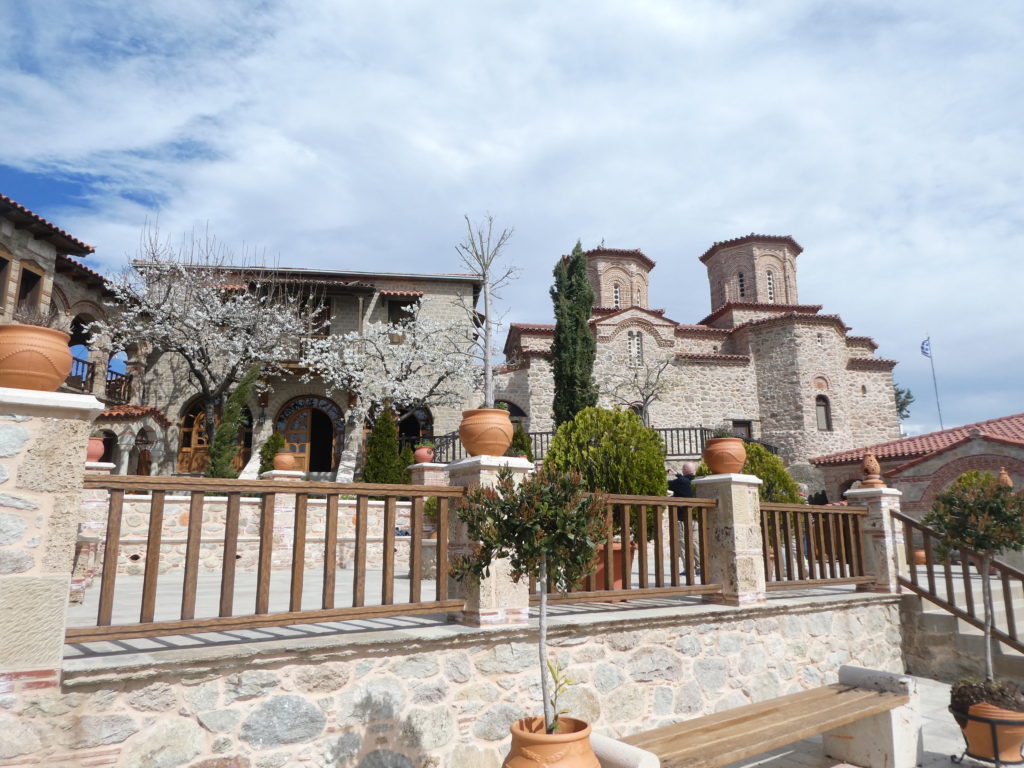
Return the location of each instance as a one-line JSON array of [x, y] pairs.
[[225, 443], [574, 347], [383, 462]]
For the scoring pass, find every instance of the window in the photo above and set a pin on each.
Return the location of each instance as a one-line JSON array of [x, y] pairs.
[[29, 289], [743, 429], [770, 281], [824, 413], [741, 284], [635, 348], [399, 310], [5, 272], [616, 295]]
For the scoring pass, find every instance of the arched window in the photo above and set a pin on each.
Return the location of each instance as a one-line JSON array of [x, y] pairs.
[[741, 285], [824, 413], [616, 295], [635, 348], [638, 294], [770, 282]]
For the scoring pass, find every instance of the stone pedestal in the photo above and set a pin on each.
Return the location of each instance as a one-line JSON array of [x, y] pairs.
[[43, 437], [283, 474], [99, 467], [885, 555], [495, 600], [735, 549], [429, 473]]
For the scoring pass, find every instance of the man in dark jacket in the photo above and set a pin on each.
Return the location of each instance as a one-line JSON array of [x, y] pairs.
[[681, 485]]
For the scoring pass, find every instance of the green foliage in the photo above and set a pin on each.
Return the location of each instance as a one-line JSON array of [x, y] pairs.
[[383, 461], [430, 509], [904, 399], [225, 443], [521, 444], [548, 515], [574, 346], [407, 460], [560, 684], [978, 512], [612, 451], [274, 445], [777, 485], [723, 430]]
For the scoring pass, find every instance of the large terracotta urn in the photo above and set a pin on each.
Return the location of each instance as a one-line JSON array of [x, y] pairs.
[[32, 357], [977, 726], [284, 461], [424, 454], [725, 455], [486, 431], [94, 452], [532, 747]]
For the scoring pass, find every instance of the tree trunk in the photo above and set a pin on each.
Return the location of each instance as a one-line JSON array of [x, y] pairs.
[[210, 411], [354, 419], [542, 583], [986, 590], [488, 346]]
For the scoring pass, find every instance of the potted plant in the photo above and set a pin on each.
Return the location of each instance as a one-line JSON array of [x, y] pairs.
[[724, 453], [486, 430], [424, 452], [521, 446], [982, 516], [34, 351], [549, 529], [95, 449]]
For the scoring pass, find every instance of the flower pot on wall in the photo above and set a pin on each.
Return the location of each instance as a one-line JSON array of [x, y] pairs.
[[284, 461], [32, 357], [95, 450], [725, 455], [532, 747], [486, 431], [423, 455], [978, 724]]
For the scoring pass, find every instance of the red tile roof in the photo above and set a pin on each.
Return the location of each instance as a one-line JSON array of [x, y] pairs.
[[78, 270], [752, 238], [543, 328], [806, 309], [23, 218], [634, 252], [403, 294], [714, 357], [1007, 429], [133, 413]]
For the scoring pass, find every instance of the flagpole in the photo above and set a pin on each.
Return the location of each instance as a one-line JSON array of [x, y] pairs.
[[935, 381]]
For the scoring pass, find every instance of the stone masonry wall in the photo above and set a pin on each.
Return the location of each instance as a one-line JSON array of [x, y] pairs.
[[441, 696]]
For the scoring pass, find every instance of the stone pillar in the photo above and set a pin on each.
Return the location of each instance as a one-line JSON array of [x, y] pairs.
[[283, 474], [43, 439], [885, 555], [496, 600], [735, 553], [429, 473]]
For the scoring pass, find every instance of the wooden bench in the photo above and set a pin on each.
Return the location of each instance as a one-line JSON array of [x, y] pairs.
[[860, 722]]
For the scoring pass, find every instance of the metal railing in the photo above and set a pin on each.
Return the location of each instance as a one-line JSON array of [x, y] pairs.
[[216, 532], [949, 583], [656, 547], [810, 545]]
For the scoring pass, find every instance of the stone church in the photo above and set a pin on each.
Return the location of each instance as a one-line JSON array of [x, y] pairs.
[[768, 366]]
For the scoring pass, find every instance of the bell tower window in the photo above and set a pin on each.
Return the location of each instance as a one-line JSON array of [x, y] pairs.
[[824, 413], [741, 285], [635, 348], [617, 296], [770, 283]]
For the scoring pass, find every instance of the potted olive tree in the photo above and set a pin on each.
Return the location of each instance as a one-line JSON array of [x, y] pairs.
[[549, 529], [981, 516]]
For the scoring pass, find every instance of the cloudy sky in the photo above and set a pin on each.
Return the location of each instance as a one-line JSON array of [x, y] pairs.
[[885, 137]]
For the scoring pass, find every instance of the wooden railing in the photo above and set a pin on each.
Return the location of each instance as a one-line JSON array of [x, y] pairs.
[[119, 387], [274, 524], [949, 583], [81, 375], [810, 545], [657, 546]]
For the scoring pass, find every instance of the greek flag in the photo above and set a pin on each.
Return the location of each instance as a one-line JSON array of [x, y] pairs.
[[926, 347]]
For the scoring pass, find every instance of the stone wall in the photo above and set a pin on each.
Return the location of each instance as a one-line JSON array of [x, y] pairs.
[[438, 696]]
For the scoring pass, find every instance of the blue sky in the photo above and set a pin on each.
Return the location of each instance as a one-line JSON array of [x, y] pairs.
[[886, 138]]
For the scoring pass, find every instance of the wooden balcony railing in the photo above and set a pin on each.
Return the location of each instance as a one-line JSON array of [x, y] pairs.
[[811, 545], [81, 376], [119, 387], [292, 543], [951, 585], [657, 546]]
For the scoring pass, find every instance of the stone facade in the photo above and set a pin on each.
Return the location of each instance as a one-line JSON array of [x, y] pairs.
[[441, 696], [775, 369]]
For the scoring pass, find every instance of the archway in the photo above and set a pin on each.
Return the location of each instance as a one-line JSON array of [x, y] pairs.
[[313, 429], [414, 425], [194, 443]]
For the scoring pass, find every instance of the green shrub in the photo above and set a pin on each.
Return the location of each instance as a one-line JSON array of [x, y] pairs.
[[383, 461], [613, 452], [407, 460], [521, 443], [777, 485], [273, 446], [226, 440]]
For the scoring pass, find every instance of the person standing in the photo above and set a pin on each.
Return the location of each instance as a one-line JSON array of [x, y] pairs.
[[682, 484]]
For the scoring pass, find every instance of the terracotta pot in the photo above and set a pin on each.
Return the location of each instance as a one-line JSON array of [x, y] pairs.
[[423, 455], [95, 450], [618, 581], [486, 431], [33, 358], [531, 747], [284, 461], [978, 734], [920, 557], [725, 455]]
